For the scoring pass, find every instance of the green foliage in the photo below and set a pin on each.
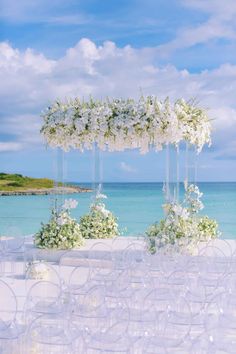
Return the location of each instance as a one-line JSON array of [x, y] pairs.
[[98, 223], [15, 182], [10, 176], [208, 228]]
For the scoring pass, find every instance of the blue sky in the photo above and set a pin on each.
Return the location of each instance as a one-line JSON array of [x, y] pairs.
[[57, 49]]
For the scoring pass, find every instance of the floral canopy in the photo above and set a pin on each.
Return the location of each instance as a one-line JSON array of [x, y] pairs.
[[120, 124]]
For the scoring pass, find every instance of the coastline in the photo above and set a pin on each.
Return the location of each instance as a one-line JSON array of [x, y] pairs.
[[46, 191]]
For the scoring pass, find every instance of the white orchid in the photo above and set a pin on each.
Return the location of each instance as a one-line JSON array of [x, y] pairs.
[[180, 211], [100, 196], [70, 204], [120, 124]]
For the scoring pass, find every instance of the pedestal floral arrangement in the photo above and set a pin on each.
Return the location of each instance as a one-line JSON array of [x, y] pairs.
[[62, 231], [182, 228], [99, 222]]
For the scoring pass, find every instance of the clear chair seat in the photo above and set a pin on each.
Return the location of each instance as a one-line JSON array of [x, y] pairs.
[[46, 307], [13, 331], [110, 344]]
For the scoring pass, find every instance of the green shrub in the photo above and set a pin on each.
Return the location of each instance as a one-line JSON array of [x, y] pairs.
[[15, 184]]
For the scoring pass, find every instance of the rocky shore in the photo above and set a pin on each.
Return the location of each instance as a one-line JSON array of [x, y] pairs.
[[46, 191]]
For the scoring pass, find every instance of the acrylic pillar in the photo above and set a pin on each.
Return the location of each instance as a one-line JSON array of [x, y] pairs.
[[97, 171], [191, 160], [59, 175], [172, 173]]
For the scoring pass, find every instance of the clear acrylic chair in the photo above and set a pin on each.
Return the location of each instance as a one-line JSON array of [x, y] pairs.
[[11, 331], [79, 281], [101, 262], [113, 336], [196, 296], [166, 321], [44, 297], [8, 305], [120, 242], [207, 343], [178, 282], [67, 263], [228, 283], [151, 347], [142, 315], [226, 246], [221, 315], [50, 335], [90, 311], [213, 266], [13, 255], [178, 323], [134, 253], [119, 288]]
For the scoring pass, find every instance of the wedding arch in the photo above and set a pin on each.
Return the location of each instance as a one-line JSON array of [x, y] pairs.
[[144, 124]]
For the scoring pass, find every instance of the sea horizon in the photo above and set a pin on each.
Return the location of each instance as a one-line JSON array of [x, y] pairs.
[[161, 182]]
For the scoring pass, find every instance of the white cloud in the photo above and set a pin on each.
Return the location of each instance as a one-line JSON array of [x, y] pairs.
[[10, 146], [31, 80], [222, 9], [126, 167], [188, 37], [220, 24], [41, 11], [24, 128]]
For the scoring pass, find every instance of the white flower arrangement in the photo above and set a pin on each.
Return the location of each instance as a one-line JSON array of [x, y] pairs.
[[99, 222], [37, 270], [62, 231], [182, 227], [120, 124]]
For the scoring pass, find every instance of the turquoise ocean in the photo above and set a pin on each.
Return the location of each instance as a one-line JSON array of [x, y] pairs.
[[137, 205]]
